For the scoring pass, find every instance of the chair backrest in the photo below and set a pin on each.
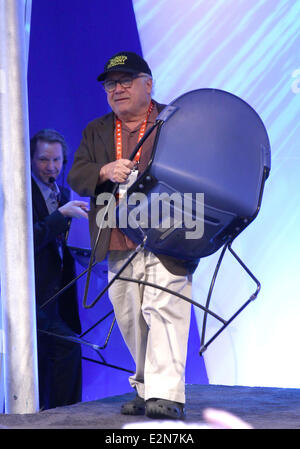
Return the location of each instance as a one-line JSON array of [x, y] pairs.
[[214, 144]]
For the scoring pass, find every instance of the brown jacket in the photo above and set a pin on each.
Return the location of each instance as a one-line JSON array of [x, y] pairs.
[[97, 149]]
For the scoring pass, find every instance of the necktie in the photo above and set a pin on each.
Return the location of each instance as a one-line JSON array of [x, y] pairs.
[[53, 198], [53, 205]]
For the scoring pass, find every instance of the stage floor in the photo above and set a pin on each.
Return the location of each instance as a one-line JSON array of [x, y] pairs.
[[261, 408]]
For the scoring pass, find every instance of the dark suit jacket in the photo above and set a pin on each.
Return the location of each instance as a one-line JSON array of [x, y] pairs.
[[51, 273], [96, 149]]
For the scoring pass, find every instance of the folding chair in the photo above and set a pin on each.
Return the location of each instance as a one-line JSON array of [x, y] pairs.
[[211, 142]]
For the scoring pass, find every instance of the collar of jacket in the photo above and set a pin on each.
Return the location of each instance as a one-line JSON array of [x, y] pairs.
[[104, 127]]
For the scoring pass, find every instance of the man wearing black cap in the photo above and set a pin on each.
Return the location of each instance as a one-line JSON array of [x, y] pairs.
[[154, 324]]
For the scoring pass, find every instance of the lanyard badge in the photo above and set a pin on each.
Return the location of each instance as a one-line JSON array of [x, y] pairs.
[[123, 187]]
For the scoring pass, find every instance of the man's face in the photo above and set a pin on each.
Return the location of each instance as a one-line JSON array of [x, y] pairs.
[[47, 160], [130, 102]]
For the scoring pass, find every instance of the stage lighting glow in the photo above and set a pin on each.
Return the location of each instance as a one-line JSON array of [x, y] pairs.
[[250, 49]]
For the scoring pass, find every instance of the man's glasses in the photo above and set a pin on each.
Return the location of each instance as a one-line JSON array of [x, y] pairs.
[[110, 84]]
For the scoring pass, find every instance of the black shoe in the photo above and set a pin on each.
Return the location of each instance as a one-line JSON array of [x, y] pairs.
[[134, 407], [164, 409]]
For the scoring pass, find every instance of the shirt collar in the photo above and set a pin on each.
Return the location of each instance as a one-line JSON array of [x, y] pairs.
[[45, 190], [151, 118]]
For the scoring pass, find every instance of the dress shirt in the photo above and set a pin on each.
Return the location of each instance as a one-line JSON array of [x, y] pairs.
[[50, 195]]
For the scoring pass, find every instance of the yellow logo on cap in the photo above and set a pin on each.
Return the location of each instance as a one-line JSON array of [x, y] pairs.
[[117, 60]]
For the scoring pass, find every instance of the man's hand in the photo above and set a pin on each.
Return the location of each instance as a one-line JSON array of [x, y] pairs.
[[117, 171], [74, 209]]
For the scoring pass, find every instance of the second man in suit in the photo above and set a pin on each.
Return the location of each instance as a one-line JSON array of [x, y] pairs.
[[59, 360]]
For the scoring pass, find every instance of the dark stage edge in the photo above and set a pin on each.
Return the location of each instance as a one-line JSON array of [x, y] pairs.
[[262, 408]]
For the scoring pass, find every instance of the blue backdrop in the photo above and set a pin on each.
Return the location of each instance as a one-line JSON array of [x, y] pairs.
[[251, 49]]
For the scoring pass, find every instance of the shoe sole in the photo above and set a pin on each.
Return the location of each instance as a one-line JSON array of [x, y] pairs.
[[133, 411], [161, 409], [133, 408]]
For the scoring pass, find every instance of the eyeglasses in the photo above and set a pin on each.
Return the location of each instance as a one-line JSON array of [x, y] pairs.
[[126, 82]]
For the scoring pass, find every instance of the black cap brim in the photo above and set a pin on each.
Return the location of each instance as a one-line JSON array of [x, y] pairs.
[[103, 75]]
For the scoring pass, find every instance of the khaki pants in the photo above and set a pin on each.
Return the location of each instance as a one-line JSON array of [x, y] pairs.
[[153, 323]]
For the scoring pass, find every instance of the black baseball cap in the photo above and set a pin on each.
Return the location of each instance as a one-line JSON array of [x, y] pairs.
[[125, 61]]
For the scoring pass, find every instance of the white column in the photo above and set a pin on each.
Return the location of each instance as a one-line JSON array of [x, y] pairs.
[[17, 262]]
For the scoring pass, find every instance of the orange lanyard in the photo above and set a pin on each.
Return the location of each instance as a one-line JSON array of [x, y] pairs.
[[119, 149]]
